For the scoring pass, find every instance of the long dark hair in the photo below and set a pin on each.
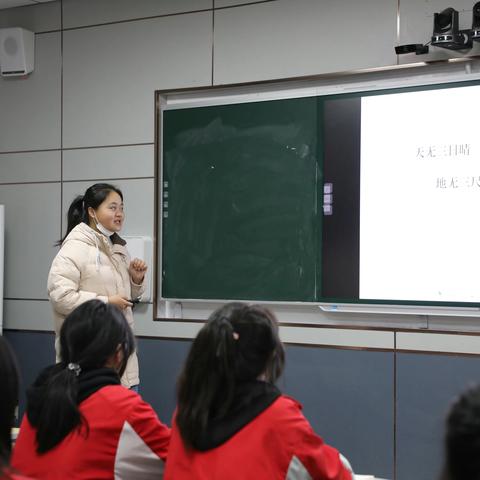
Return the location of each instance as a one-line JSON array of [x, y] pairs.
[[94, 196], [90, 335], [9, 379], [462, 439], [238, 343]]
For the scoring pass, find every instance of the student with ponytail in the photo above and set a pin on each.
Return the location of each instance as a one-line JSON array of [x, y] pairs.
[[80, 423], [232, 422], [93, 262]]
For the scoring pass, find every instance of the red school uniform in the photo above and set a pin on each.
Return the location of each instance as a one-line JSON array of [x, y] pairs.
[[278, 443], [125, 440]]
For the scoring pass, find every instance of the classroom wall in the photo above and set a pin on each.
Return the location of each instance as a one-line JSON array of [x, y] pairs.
[[86, 114]]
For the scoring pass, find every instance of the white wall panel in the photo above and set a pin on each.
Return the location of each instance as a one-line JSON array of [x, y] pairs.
[[30, 167], [32, 225], [167, 329], [111, 73], [112, 162], [29, 315], [338, 337], [143, 315], [37, 18], [38, 315], [92, 12], [30, 107], [347, 338], [306, 37], [138, 196], [438, 342]]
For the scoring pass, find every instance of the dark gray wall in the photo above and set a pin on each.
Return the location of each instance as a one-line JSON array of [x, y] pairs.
[[160, 364], [426, 386], [348, 396], [34, 350]]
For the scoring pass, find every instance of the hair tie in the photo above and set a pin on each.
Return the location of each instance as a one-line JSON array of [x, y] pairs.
[[75, 368]]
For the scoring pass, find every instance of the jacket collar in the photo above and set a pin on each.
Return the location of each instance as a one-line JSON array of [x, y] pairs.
[[117, 240], [250, 400], [89, 382], [84, 233]]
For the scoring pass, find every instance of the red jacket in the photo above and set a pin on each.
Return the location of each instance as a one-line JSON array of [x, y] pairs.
[[9, 475], [126, 440], [277, 444]]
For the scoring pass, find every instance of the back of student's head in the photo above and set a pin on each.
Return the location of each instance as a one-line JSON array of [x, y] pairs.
[[90, 336], [239, 343], [462, 440], [8, 399]]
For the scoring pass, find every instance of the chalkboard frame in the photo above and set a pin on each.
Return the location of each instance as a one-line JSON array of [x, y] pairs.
[[350, 83]]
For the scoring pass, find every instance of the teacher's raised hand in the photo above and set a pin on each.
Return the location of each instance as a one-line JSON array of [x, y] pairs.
[[137, 269]]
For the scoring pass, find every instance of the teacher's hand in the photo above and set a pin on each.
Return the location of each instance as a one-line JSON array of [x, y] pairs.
[[121, 302], [137, 270]]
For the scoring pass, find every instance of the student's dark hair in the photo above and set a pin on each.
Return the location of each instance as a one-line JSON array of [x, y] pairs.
[[94, 196], [89, 336], [9, 379], [238, 343], [462, 439]]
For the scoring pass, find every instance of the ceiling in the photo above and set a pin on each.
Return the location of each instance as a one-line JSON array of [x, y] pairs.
[[20, 3]]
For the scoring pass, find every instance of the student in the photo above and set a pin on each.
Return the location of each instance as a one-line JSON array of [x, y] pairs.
[[462, 440], [231, 421], [8, 405], [80, 423], [93, 262]]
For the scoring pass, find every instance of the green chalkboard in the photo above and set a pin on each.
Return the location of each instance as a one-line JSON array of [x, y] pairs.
[[239, 201]]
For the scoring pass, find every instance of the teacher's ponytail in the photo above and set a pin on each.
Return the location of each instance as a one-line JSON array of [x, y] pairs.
[[76, 214]]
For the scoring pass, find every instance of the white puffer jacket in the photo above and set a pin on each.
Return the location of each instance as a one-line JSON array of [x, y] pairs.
[[89, 266]]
